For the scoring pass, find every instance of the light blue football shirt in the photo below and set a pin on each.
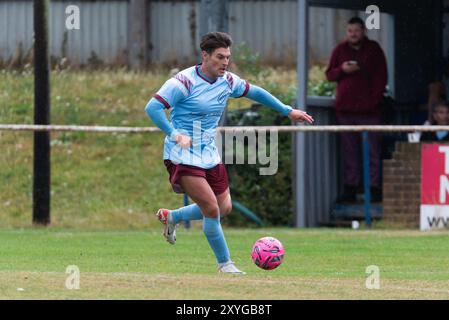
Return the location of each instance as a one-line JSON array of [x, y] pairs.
[[196, 105]]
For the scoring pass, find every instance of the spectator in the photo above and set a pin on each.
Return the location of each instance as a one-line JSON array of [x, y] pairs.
[[438, 94], [359, 67], [440, 117], [439, 90]]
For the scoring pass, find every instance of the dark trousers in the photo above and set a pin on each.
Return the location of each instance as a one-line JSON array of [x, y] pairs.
[[351, 147]]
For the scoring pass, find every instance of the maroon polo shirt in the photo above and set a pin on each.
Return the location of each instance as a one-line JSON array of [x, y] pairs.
[[362, 91]]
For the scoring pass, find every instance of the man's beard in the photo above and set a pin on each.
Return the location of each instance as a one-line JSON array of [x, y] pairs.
[[355, 43]]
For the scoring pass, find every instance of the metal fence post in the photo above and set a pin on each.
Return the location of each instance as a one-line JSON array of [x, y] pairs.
[[41, 158], [366, 178]]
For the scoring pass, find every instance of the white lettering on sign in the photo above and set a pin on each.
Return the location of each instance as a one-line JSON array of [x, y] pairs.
[[445, 150], [444, 188]]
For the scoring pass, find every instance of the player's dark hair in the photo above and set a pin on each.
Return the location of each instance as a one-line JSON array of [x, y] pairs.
[[357, 20], [214, 40]]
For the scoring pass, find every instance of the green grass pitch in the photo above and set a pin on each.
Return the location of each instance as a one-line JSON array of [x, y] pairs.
[[319, 264]]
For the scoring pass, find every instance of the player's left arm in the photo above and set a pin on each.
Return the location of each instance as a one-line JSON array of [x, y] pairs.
[[263, 97], [379, 74]]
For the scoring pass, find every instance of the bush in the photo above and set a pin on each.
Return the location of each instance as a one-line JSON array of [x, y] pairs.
[[318, 84], [269, 197]]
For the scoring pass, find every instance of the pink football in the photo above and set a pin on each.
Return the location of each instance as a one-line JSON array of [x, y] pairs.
[[268, 253]]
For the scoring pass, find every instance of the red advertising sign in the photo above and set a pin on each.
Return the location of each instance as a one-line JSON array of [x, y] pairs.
[[434, 186], [434, 174]]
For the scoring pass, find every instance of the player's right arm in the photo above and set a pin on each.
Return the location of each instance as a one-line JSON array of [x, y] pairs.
[[335, 70], [167, 96]]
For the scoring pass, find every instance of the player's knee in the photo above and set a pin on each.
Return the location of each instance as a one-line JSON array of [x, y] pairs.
[[226, 208], [210, 210]]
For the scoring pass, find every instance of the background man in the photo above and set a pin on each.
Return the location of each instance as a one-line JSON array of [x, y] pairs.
[[359, 67]]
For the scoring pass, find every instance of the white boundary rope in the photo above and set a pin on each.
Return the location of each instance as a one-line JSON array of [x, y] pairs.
[[302, 128]]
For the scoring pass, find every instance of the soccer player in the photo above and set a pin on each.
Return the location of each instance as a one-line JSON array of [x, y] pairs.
[[196, 98]]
